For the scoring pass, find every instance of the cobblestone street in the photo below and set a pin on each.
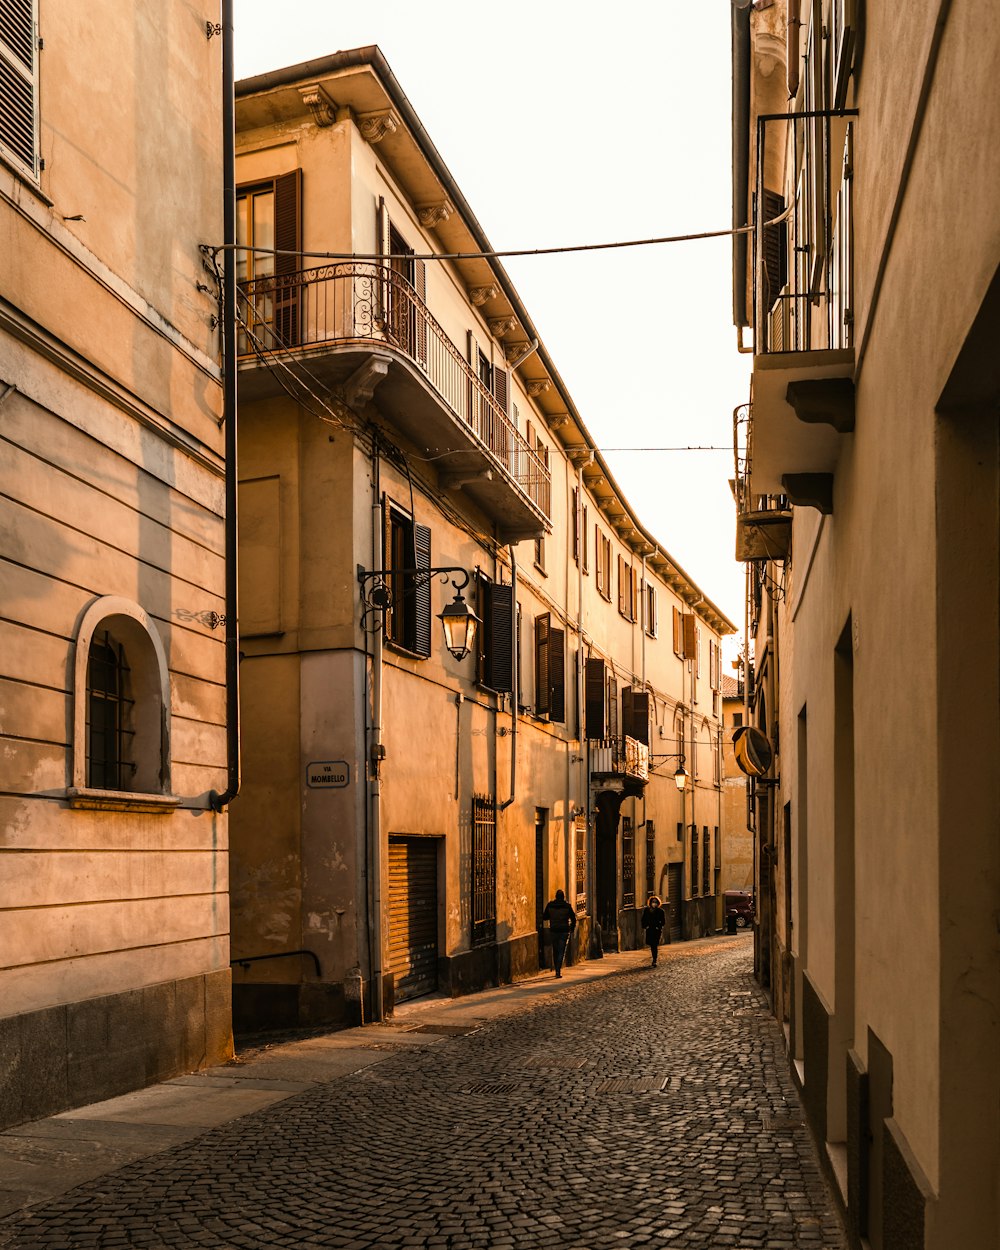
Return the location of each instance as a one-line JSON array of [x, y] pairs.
[[650, 1107]]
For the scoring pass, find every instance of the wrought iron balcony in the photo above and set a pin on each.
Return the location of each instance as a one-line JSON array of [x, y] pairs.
[[619, 757], [360, 325]]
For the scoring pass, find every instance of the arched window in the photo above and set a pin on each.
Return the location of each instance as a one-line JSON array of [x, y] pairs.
[[121, 740]]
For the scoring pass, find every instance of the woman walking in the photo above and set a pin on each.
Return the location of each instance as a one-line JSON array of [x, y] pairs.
[[652, 920]]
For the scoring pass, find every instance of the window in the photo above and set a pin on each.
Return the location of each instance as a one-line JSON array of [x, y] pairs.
[[585, 541], [268, 215], [649, 609], [406, 551], [635, 714], [121, 720], [542, 452], [580, 837], [575, 524], [694, 860], [628, 862], [550, 669], [650, 858], [737, 719], [602, 556], [595, 687], [627, 599], [484, 869], [685, 642], [494, 637], [19, 86], [714, 664], [680, 832], [706, 861]]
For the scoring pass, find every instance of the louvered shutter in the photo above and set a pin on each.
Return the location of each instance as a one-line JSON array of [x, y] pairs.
[[499, 655], [585, 541], [557, 675], [613, 727], [542, 682], [422, 591], [500, 388], [640, 716], [627, 712], [595, 689], [678, 633], [287, 240], [19, 83], [381, 292], [774, 245], [420, 286], [621, 585], [690, 638]]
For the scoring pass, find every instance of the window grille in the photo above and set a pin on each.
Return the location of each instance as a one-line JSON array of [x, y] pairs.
[[628, 862], [580, 826], [706, 862], [484, 869], [650, 858], [694, 860], [109, 716]]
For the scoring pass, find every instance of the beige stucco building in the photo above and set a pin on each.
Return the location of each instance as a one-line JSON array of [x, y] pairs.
[[867, 138], [405, 815], [114, 958], [737, 836]]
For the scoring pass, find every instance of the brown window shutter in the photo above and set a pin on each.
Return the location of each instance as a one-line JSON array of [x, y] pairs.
[[420, 286], [640, 716], [557, 675], [287, 240], [627, 712], [499, 656], [585, 541], [774, 245], [690, 638], [595, 692], [622, 573], [422, 591], [575, 524], [678, 633], [542, 680], [500, 388], [613, 725]]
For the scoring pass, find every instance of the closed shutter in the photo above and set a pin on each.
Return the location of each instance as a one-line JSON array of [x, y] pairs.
[[557, 675], [500, 388], [287, 240], [635, 714], [413, 922], [675, 886], [19, 83], [613, 728], [595, 689], [622, 597], [499, 666], [420, 335], [627, 712], [422, 591], [690, 636], [542, 687], [774, 245]]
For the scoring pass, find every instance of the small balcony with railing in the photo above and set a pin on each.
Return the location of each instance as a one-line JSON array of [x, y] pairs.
[[802, 389], [763, 522], [356, 327], [621, 757]]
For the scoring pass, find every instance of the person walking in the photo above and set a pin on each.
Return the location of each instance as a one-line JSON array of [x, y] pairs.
[[652, 920], [562, 922]]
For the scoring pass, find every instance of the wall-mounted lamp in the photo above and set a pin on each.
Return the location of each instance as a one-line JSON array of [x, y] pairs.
[[680, 776], [458, 620]]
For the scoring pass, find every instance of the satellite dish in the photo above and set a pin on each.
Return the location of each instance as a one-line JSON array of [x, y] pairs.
[[752, 750]]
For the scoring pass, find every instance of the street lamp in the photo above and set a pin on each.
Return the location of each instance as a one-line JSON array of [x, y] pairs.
[[458, 620], [680, 776]]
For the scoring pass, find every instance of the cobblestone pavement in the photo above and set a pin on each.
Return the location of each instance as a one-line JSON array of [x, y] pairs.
[[651, 1108]]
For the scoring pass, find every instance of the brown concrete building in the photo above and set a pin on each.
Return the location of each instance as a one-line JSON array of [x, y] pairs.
[[114, 919], [868, 166], [406, 814]]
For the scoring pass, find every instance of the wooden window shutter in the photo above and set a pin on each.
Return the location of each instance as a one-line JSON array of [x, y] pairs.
[[613, 726], [287, 239], [529, 434], [420, 322], [557, 674], [382, 228], [595, 684], [585, 541], [422, 591], [622, 596], [633, 593], [774, 245], [500, 388], [640, 716], [542, 681], [575, 524], [690, 636], [499, 673], [18, 85], [678, 633], [627, 711]]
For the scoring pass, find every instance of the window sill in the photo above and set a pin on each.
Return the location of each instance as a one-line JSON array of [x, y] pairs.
[[84, 799]]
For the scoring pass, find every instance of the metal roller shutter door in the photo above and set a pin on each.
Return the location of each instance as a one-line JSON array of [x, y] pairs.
[[413, 918], [675, 873]]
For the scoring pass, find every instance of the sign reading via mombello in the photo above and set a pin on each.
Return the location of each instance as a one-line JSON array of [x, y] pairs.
[[328, 775]]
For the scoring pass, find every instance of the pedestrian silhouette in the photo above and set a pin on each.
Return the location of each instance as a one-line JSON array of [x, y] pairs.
[[562, 922], [652, 920]]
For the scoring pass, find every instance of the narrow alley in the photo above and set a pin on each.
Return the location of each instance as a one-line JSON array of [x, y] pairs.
[[641, 1107]]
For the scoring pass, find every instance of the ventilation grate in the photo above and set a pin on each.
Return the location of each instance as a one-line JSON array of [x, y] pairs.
[[492, 1087], [632, 1085]]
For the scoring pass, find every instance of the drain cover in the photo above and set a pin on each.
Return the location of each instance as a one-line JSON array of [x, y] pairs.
[[632, 1085], [491, 1087]]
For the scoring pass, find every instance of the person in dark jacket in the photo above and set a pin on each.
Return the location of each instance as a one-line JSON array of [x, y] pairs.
[[562, 922], [653, 920]]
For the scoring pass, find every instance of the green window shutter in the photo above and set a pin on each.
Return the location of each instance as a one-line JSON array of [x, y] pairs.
[[422, 591]]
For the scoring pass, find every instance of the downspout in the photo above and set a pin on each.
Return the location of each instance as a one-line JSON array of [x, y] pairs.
[[793, 21], [740, 23], [515, 694], [375, 753], [217, 801]]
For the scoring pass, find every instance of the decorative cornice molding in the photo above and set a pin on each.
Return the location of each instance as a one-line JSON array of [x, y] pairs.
[[538, 386], [479, 295], [323, 109], [558, 420], [499, 326], [513, 350], [375, 126], [431, 215], [580, 455]]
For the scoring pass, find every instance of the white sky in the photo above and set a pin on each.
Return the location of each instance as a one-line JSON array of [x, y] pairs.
[[580, 123]]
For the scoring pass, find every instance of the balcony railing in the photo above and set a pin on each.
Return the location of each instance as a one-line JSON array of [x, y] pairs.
[[365, 304], [624, 757], [763, 522]]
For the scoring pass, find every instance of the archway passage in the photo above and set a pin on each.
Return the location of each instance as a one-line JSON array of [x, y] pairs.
[[608, 805]]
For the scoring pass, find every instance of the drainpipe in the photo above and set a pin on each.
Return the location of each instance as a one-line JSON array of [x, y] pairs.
[[217, 801], [515, 693], [792, 23], [375, 752]]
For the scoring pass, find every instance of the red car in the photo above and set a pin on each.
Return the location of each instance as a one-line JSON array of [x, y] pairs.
[[739, 903]]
